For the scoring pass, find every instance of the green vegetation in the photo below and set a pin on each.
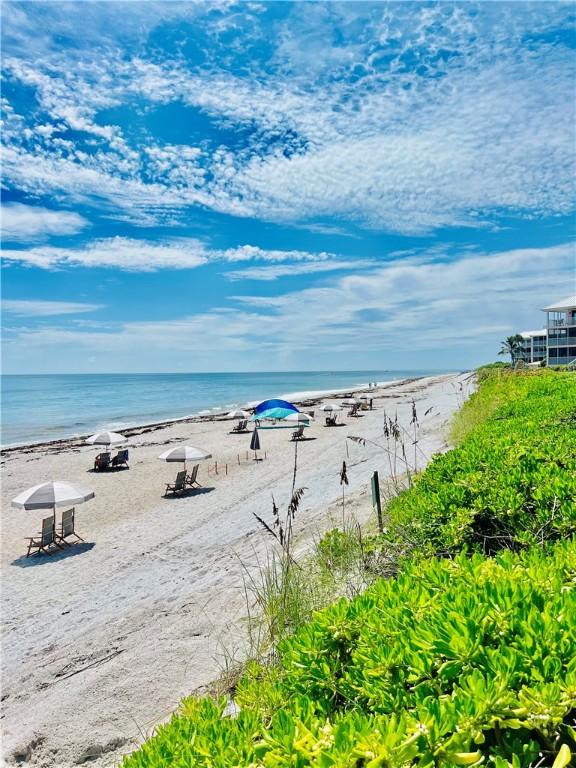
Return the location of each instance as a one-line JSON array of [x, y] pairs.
[[451, 663], [511, 482], [460, 659]]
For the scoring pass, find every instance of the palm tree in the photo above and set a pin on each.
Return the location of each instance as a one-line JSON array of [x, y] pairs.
[[511, 347]]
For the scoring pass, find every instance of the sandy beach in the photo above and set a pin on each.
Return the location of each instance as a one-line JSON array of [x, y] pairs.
[[100, 643]]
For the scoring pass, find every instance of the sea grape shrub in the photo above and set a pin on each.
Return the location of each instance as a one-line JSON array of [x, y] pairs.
[[512, 481], [455, 662]]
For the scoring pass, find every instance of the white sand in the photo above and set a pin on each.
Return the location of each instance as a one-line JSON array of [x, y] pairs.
[[100, 644]]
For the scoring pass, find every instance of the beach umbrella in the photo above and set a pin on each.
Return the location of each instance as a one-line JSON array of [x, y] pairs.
[[185, 453], [330, 407], [255, 443], [364, 397], [299, 418], [106, 438], [274, 409], [57, 493], [238, 414]]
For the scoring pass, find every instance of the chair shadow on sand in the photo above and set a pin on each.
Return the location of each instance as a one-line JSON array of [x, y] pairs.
[[43, 558], [107, 470], [188, 493]]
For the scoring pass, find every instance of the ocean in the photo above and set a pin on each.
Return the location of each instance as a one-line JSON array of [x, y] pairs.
[[49, 407]]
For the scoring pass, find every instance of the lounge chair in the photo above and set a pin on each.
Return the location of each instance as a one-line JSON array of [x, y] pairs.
[[354, 410], [331, 421], [298, 434], [179, 485], [46, 540], [191, 478], [67, 527], [121, 458], [241, 426], [102, 461]]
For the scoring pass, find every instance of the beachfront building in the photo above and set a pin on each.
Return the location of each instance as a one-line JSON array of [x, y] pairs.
[[533, 346], [561, 328]]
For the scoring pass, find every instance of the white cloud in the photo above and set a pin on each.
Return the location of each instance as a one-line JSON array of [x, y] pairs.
[[28, 223], [32, 308], [253, 253], [116, 252], [292, 270], [420, 117], [132, 255], [412, 314]]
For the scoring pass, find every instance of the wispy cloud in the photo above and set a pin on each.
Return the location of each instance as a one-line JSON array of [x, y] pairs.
[[421, 311], [32, 308], [292, 270], [254, 253], [120, 253], [28, 223], [135, 255], [422, 117]]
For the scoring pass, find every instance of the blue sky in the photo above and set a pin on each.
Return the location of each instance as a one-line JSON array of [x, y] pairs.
[[282, 186]]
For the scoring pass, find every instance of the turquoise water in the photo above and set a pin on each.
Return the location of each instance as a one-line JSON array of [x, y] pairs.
[[49, 407]]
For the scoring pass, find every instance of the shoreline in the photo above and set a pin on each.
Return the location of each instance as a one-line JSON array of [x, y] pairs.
[[305, 399]]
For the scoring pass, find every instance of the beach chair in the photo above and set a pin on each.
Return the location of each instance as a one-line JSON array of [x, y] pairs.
[[354, 410], [241, 426], [331, 421], [46, 539], [67, 527], [121, 458], [102, 461], [179, 485], [298, 434], [191, 478]]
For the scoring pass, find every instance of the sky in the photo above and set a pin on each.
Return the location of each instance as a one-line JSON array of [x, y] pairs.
[[223, 186]]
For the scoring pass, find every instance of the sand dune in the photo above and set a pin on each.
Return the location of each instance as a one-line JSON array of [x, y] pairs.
[[99, 644]]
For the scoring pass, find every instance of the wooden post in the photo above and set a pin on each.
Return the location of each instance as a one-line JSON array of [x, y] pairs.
[[376, 500]]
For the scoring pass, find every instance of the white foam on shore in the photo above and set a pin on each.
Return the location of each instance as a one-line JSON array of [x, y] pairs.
[[314, 393]]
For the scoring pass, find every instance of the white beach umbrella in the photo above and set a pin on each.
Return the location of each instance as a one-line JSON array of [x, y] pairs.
[[106, 438], [330, 407], [185, 453], [57, 493], [364, 396], [238, 414], [299, 418]]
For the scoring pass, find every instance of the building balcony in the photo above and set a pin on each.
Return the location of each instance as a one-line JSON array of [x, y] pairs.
[[563, 341]]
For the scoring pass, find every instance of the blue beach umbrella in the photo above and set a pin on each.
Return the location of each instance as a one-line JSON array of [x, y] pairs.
[[274, 409]]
